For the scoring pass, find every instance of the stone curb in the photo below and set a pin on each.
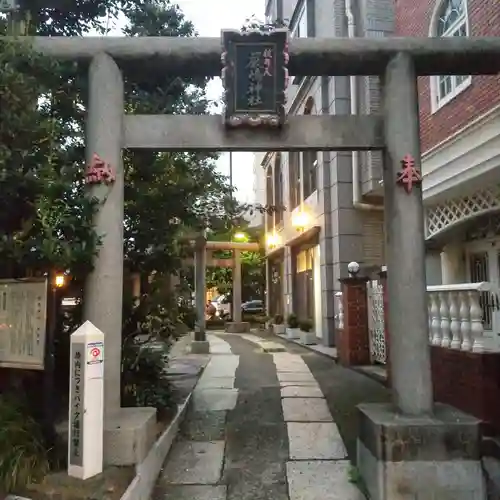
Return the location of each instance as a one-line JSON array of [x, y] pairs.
[[148, 471]]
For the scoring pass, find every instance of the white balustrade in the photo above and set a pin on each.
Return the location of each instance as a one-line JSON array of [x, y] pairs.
[[339, 317], [456, 315]]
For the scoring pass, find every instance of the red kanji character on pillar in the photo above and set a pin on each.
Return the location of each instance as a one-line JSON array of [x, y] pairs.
[[409, 176], [99, 171]]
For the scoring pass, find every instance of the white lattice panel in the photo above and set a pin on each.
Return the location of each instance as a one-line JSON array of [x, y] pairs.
[[439, 217], [376, 322]]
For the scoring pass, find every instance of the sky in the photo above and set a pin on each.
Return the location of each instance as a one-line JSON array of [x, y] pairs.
[[209, 18]]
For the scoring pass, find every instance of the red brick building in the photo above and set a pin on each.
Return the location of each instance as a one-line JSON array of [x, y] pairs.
[[449, 104]]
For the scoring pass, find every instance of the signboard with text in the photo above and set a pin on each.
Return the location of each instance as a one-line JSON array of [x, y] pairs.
[[77, 389], [23, 321], [255, 77]]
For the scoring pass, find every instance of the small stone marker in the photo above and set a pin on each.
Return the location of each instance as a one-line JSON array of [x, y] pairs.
[[86, 402]]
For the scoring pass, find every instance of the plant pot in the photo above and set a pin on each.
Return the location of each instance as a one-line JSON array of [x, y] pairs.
[[279, 329], [292, 333], [307, 338]]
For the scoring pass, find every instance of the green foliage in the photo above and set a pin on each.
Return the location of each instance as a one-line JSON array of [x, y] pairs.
[[278, 319], [144, 378], [355, 478], [45, 218], [306, 325], [253, 23], [23, 457], [253, 267], [292, 321]]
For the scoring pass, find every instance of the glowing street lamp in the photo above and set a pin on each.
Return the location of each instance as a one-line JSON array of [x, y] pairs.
[[60, 280], [273, 240], [240, 236], [300, 220]]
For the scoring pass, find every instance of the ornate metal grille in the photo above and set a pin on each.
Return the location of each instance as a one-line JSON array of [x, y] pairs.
[[376, 323]]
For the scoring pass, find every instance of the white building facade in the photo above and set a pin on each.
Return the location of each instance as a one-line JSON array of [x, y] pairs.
[[333, 200]]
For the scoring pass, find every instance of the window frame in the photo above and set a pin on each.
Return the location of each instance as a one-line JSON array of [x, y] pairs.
[[438, 102]]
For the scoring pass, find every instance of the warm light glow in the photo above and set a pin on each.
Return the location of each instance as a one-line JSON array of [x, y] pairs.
[[300, 220], [239, 236], [273, 240], [60, 280]]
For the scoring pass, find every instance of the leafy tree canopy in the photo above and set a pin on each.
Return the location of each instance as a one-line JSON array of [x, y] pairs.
[[42, 148]]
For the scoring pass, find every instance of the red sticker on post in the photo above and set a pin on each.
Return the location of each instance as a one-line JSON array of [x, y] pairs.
[[95, 353]]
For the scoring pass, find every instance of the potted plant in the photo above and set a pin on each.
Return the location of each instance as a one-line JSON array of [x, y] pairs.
[[278, 326], [292, 330], [307, 336]]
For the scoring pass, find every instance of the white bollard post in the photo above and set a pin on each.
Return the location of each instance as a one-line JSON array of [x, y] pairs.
[[86, 402]]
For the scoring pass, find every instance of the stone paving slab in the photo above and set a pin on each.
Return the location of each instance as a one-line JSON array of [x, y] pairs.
[[296, 377], [325, 480], [299, 391], [315, 441], [214, 399], [305, 410], [194, 462], [308, 383], [221, 366], [193, 493], [216, 383], [204, 426], [272, 347]]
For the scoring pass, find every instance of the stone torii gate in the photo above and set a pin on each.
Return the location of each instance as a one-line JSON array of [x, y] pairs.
[[413, 447], [202, 247]]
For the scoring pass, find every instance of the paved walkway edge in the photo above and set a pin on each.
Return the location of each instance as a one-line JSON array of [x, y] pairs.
[[364, 370], [311, 347], [148, 471]]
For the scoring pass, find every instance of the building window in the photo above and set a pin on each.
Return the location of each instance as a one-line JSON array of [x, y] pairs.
[[295, 184], [309, 160], [450, 19], [309, 166], [300, 30], [269, 198]]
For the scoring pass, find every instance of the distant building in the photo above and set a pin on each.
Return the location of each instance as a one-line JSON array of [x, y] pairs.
[[259, 190], [333, 200]]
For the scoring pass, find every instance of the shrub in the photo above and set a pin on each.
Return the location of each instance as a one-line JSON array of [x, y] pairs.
[[306, 325], [278, 319], [145, 380], [292, 321], [23, 456], [149, 329]]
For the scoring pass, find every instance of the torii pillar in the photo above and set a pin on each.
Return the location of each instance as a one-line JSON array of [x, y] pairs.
[[412, 448], [200, 345], [128, 432]]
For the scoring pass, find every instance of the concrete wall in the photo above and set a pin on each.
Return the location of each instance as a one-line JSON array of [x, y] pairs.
[[259, 190]]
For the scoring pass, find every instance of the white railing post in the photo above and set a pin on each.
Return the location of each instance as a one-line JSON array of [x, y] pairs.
[[444, 312], [465, 321], [455, 322], [456, 316], [476, 322], [436, 321], [340, 315]]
